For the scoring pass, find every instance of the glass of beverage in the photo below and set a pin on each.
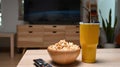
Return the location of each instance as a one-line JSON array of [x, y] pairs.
[[89, 37]]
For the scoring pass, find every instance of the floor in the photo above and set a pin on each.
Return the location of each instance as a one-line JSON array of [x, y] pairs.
[[6, 61]]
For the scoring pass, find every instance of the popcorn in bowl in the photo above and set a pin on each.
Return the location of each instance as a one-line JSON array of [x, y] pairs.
[[64, 45], [65, 49]]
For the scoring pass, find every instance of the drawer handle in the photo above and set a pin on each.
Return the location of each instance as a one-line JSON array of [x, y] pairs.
[[30, 26], [54, 26], [77, 26], [30, 32], [54, 31], [77, 31]]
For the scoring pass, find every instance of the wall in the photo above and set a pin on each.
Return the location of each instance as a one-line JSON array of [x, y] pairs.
[[118, 15], [9, 16]]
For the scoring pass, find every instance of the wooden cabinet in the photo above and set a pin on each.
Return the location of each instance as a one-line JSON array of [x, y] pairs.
[[29, 35], [72, 34], [41, 36], [53, 33]]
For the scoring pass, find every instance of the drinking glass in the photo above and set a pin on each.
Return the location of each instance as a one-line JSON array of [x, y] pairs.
[[89, 37]]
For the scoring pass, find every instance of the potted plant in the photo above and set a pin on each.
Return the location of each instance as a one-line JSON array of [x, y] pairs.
[[108, 28]]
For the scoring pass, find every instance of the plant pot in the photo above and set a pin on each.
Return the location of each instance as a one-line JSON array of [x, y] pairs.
[[109, 45]]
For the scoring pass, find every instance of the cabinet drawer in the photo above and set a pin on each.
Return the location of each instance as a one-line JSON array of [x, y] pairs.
[[72, 35], [49, 28], [29, 44], [28, 34], [35, 28], [71, 28], [49, 43], [51, 37], [30, 39]]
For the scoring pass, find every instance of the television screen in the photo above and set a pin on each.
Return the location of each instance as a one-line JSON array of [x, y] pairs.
[[52, 11]]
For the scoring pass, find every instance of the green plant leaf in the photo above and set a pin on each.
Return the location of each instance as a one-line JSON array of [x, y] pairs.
[[103, 22], [107, 23], [110, 15]]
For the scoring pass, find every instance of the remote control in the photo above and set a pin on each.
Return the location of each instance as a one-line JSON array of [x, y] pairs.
[[41, 63]]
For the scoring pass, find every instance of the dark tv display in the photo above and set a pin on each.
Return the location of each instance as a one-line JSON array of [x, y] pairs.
[[52, 11]]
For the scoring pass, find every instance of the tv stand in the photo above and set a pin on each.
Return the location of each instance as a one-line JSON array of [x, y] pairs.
[[41, 36]]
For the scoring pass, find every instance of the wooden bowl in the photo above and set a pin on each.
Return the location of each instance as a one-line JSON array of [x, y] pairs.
[[63, 57]]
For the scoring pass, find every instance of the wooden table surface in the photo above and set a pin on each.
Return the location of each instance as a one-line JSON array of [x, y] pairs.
[[104, 58]]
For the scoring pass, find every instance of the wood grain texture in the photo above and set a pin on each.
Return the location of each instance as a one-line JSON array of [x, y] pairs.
[[45, 35]]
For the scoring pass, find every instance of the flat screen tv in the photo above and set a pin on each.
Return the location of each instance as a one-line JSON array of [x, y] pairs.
[[52, 11]]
